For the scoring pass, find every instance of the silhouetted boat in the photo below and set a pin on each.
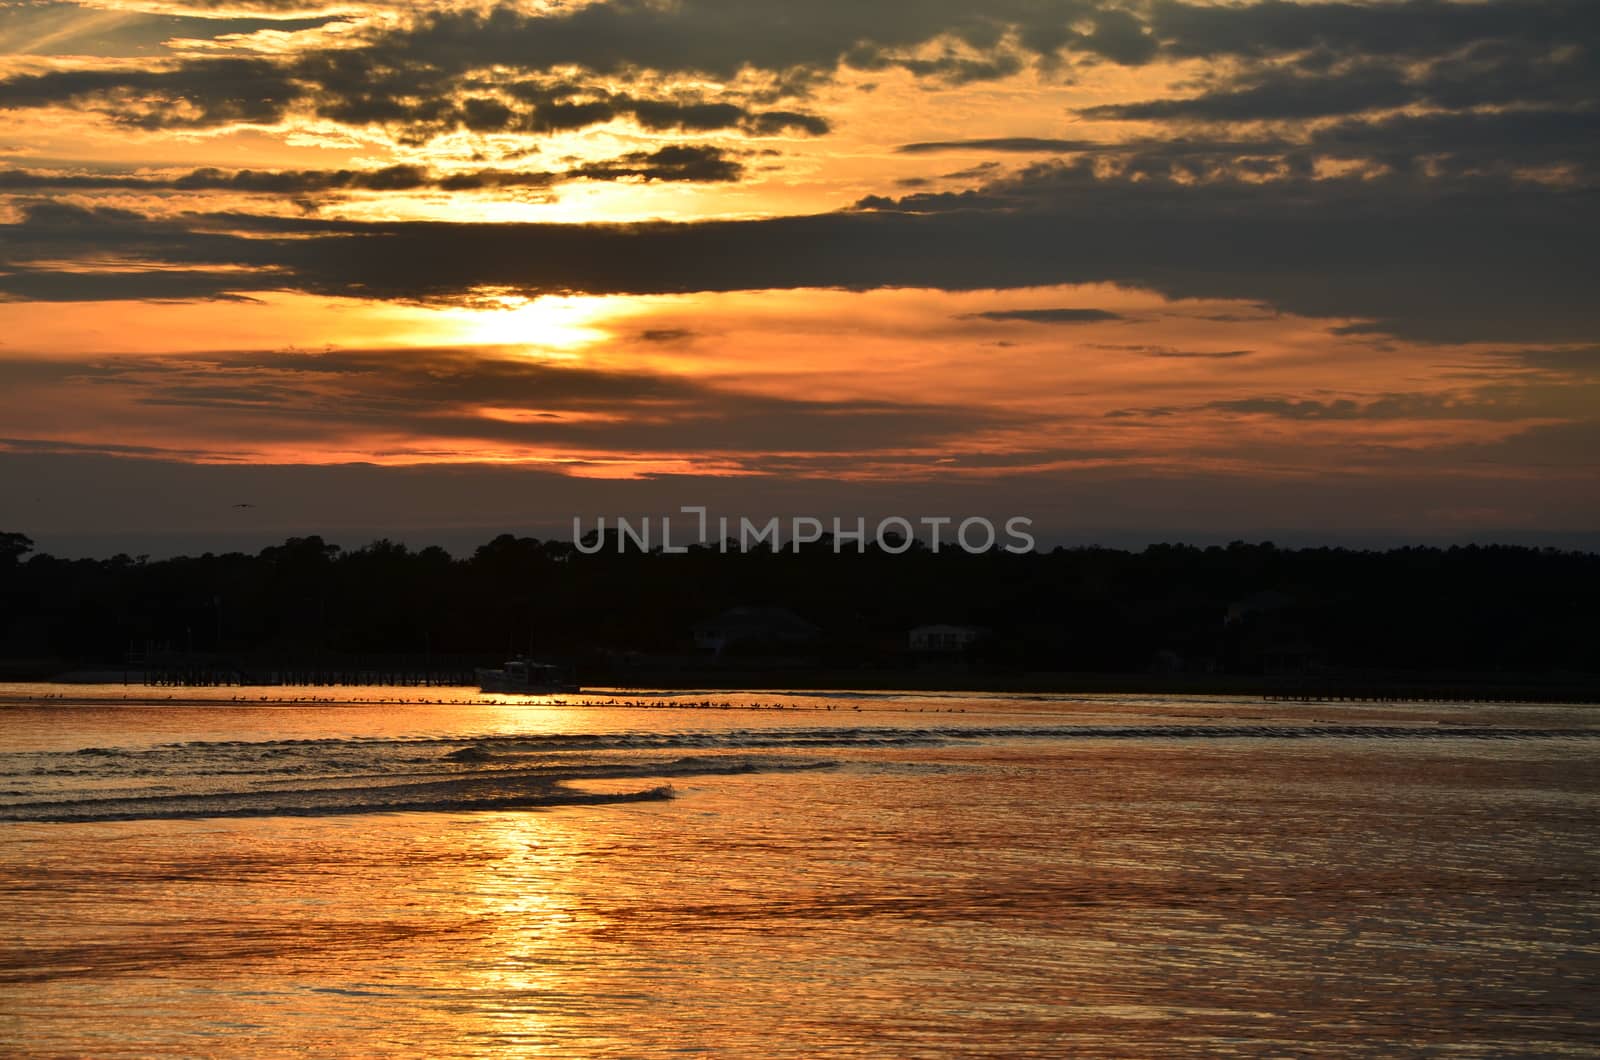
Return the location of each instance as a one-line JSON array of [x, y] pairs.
[[526, 676]]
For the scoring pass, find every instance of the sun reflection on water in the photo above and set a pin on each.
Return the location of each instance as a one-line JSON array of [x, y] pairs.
[[913, 897]]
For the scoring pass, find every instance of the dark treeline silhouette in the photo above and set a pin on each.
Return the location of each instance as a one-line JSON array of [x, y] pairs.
[[1176, 609]]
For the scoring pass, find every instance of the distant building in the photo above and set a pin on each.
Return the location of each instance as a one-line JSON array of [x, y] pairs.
[[940, 640], [771, 626]]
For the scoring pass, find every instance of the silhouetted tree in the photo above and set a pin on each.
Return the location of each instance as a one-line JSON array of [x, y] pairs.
[[1241, 608]]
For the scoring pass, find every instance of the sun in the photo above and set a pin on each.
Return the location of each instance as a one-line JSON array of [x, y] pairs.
[[553, 323]]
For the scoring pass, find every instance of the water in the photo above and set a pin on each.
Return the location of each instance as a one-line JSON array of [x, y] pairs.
[[227, 873]]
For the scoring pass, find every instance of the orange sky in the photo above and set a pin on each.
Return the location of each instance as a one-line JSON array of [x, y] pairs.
[[916, 243]]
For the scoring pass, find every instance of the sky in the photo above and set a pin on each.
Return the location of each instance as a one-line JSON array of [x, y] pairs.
[[1139, 270]]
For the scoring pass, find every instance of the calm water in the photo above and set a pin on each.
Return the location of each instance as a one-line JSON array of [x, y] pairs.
[[897, 876]]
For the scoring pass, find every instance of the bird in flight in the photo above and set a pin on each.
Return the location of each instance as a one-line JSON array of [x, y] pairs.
[[244, 506]]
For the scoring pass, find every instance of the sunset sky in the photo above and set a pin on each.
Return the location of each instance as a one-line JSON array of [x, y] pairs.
[[1139, 269]]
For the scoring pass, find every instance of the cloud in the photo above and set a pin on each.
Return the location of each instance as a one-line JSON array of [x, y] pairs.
[[496, 68], [46, 28], [1558, 446], [1414, 168], [1511, 84], [362, 87], [436, 400], [723, 38], [1048, 316], [1216, 355], [493, 69], [1495, 403], [674, 162], [1296, 62], [1576, 362], [1404, 28], [1458, 258], [1477, 141], [1018, 144], [1311, 90]]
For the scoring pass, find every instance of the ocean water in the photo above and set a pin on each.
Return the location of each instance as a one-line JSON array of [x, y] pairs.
[[433, 872]]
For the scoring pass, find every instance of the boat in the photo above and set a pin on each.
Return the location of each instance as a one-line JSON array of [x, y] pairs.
[[527, 677]]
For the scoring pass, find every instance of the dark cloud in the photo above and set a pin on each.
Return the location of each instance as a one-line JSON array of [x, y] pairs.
[[1464, 260], [125, 286], [277, 182], [777, 122], [983, 171], [1501, 402], [1562, 446], [1019, 144], [1579, 361], [1311, 90], [413, 72], [436, 398], [1458, 259], [1186, 156], [1048, 316], [950, 68], [417, 99], [504, 70], [50, 28], [1405, 28], [1485, 62], [52, 446], [1217, 355], [675, 162], [193, 94], [722, 38], [277, 10], [429, 75], [1476, 141]]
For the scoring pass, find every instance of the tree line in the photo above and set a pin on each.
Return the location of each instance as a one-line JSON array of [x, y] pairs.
[[1240, 608]]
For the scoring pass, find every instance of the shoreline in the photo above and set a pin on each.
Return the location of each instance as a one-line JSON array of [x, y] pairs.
[[706, 696]]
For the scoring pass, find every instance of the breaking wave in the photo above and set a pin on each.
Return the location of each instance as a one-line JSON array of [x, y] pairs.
[[489, 790], [527, 771]]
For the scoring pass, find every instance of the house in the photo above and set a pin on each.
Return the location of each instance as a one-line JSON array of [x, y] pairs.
[[942, 640], [768, 626]]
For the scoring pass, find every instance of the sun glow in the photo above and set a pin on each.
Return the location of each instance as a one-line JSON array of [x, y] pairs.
[[542, 324]]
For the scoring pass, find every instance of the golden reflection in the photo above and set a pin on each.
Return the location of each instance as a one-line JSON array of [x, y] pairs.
[[533, 958]]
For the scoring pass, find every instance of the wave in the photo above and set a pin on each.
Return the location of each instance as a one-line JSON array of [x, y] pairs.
[[490, 790], [490, 747], [512, 771], [385, 755]]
